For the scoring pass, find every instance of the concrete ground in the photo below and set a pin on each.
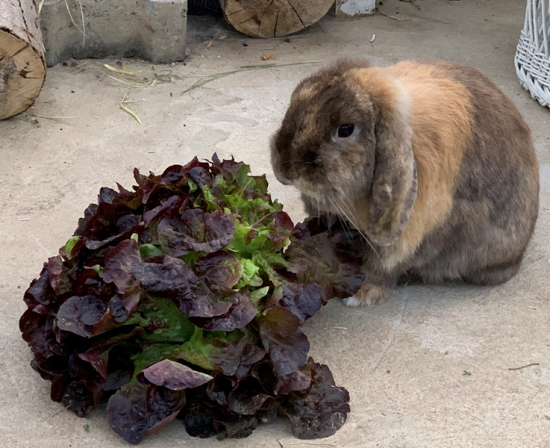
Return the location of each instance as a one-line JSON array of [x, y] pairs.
[[404, 362]]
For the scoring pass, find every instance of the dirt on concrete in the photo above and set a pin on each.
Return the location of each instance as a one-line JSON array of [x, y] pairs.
[[430, 367]]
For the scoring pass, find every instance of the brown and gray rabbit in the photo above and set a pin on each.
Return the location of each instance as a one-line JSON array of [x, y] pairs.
[[430, 161]]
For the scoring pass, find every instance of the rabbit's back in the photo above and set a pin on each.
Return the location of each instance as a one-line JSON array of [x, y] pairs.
[[494, 191]]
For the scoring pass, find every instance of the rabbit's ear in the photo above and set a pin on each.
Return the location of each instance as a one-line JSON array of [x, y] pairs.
[[395, 182]]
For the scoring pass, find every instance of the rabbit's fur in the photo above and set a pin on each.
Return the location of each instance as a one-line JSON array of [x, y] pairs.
[[439, 172]]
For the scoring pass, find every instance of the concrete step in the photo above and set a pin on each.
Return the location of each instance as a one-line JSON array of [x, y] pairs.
[[153, 30]]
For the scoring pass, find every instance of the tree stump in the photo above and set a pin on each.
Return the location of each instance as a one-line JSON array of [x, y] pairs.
[[273, 18], [22, 64]]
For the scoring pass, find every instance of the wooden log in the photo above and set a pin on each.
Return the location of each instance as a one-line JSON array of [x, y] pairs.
[[22, 63], [273, 18]]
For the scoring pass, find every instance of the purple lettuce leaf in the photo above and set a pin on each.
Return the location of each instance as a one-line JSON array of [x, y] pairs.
[[174, 376], [60, 276], [171, 278], [139, 409], [195, 231], [302, 300], [220, 271], [240, 314], [283, 338], [329, 253], [198, 417], [174, 280], [165, 276], [118, 265], [319, 411], [40, 290], [82, 386], [98, 355], [248, 397], [121, 307], [78, 315], [38, 331]]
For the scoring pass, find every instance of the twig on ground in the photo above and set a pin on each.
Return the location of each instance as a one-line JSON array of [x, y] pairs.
[[524, 367], [328, 445], [399, 19], [45, 117], [128, 110], [206, 79], [123, 71]]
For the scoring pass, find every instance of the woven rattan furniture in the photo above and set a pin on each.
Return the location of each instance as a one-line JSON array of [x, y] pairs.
[[532, 59]]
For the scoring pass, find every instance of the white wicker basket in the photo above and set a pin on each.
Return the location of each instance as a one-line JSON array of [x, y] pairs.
[[533, 53]]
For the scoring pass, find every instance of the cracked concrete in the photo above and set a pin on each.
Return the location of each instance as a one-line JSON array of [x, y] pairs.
[[403, 362]]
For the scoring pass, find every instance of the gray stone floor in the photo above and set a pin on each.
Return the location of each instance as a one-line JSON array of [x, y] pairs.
[[402, 361]]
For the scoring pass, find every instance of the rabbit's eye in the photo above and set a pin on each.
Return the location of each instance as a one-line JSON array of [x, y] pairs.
[[345, 130]]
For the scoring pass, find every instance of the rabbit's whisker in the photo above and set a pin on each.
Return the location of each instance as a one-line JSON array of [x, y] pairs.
[[340, 207], [349, 206]]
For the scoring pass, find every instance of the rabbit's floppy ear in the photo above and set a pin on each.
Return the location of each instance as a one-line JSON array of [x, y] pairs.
[[395, 183]]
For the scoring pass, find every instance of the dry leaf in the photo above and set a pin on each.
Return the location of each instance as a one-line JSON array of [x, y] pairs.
[[268, 57]]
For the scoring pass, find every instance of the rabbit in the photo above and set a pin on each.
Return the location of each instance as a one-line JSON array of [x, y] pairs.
[[429, 160]]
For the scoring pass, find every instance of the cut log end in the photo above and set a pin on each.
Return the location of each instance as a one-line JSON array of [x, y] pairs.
[[22, 74], [273, 18]]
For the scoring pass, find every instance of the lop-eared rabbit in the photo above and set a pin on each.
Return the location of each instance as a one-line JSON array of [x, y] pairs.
[[430, 161]]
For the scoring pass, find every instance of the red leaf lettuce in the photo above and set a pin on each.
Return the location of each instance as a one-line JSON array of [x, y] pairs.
[[185, 298]]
